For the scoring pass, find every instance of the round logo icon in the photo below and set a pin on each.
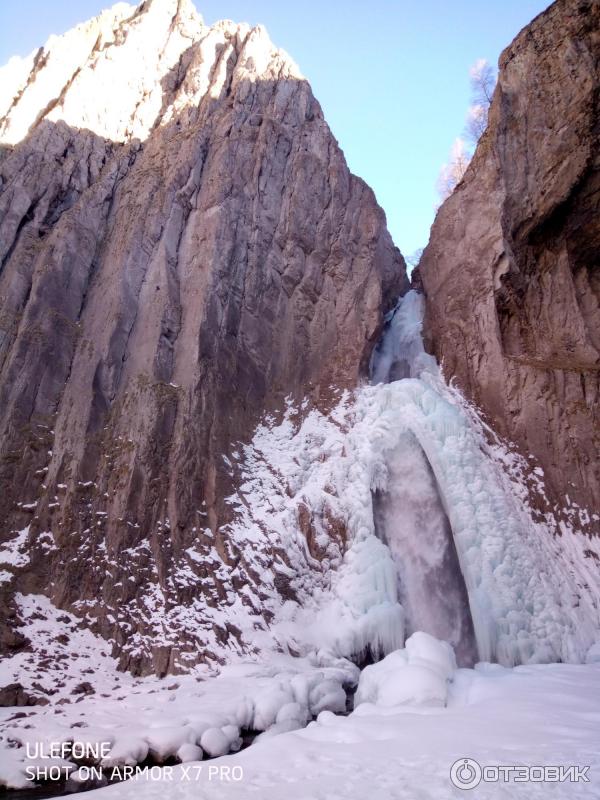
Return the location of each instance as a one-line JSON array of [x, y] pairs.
[[465, 773]]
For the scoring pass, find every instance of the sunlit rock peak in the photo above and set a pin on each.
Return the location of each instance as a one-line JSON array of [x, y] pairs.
[[131, 68]]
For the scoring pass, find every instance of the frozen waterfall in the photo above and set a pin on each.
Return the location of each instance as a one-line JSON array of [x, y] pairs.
[[409, 512], [400, 352], [410, 518], [421, 519]]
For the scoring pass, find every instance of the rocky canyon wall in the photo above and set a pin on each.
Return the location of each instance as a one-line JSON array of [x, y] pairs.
[[182, 248], [512, 270]]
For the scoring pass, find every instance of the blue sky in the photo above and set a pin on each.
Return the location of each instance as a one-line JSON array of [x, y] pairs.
[[391, 75]]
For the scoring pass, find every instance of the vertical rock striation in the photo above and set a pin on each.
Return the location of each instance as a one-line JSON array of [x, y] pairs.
[[512, 270], [182, 247]]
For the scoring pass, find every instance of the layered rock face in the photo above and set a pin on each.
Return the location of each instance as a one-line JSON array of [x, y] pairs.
[[512, 270], [182, 248]]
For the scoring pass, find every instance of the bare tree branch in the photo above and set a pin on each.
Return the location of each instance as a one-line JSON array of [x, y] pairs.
[[483, 81], [451, 173]]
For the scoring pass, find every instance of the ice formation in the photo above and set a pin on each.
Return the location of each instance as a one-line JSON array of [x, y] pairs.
[[400, 352], [183, 716], [410, 518], [528, 594], [460, 555], [539, 714], [417, 675]]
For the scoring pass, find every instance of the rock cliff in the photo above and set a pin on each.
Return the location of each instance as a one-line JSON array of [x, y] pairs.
[[182, 249], [512, 270]]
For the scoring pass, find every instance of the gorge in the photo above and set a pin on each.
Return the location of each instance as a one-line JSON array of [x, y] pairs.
[[249, 469]]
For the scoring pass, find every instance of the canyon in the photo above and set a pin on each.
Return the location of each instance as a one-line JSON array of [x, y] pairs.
[[254, 477]]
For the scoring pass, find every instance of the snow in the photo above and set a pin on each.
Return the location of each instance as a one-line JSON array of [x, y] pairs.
[[531, 595], [150, 716], [189, 752], [312, 487], [417, 675], [11, 552], [593, 654], [214, 742], [527, 716], [415, 715], [396, 511], [428, 652]]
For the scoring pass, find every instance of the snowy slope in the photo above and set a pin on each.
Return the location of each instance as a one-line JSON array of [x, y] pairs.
[[91, 701], [414, 715], [310, 570]]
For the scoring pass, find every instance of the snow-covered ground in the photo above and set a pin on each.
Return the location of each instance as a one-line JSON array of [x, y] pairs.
[[183, 717], [415, 715], [539, 715]]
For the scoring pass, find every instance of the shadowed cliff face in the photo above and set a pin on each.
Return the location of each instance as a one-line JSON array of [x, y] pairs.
[[512, 269], [163, 287]]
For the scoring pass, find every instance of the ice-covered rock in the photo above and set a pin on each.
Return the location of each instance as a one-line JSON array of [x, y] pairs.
[[167, 741], [424, 650], [417, 675], [189, 752], [214, 742], [267, 705], [232, 732], [285, 726], [292, 711], [327, 695], [129, 749]]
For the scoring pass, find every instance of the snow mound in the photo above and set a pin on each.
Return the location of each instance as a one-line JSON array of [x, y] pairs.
[[214, 742], [189, 752], [417, 675]]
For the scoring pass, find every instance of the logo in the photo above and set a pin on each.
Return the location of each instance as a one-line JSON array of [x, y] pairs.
[[466, 773]]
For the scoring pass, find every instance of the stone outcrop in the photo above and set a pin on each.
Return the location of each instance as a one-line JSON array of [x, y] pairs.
[[182, 247], [512, 270]]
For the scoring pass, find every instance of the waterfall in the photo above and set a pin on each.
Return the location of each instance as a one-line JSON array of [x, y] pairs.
[[400, 352], [420, 519], [409, 512]]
